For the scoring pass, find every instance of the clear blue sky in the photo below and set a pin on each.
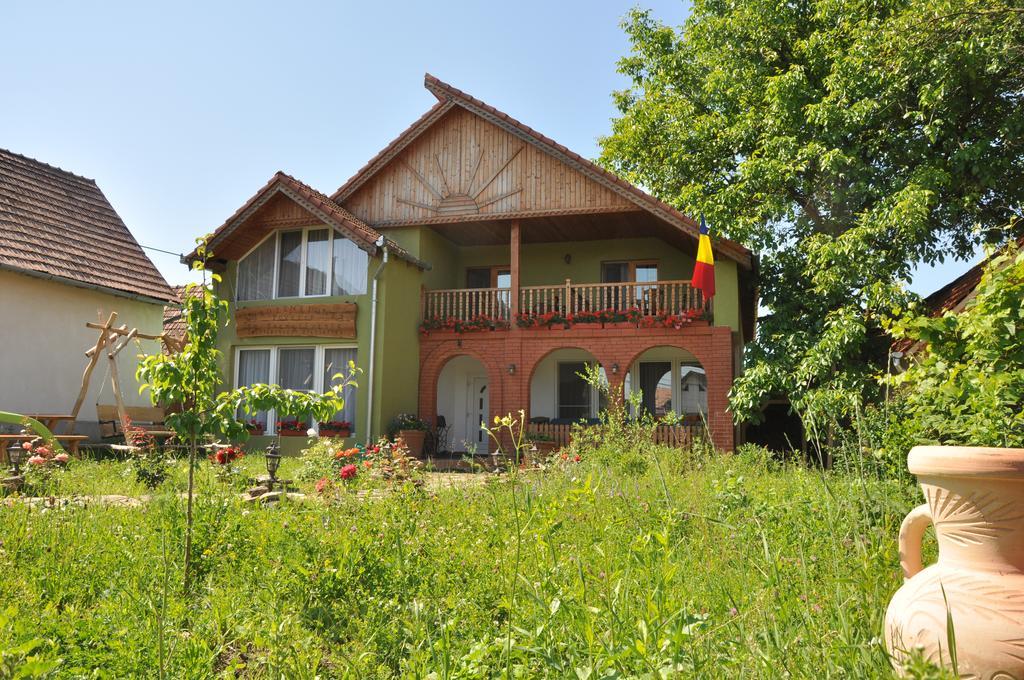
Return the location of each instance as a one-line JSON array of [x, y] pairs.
[[181, 111]]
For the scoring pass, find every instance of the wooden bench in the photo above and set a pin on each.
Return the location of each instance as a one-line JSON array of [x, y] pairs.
[[149, 418], [69, 441]]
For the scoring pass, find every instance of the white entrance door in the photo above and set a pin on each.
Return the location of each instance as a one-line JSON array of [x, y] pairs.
[[476, 413]]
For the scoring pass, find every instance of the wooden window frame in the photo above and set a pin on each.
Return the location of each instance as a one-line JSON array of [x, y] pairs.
[[495, 270], [633, 264]]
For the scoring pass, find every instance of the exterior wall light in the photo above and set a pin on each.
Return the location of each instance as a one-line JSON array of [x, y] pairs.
[[615, 369], [511, 369]]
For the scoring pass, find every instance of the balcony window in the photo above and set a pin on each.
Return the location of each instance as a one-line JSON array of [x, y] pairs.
[[302, 263]]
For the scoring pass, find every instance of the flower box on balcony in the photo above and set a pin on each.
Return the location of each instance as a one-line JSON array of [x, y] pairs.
[[291, 428]]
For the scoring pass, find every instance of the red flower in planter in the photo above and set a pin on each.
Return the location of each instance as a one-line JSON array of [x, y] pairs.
[[348, 472]]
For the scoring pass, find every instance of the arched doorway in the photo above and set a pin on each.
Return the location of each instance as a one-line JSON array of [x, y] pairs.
[[463, 403], [671, 382]]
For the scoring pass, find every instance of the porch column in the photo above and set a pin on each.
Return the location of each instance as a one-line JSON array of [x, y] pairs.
[[514, 266]]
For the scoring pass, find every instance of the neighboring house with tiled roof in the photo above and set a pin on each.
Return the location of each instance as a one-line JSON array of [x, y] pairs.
[[463, 269], [952, 297], [66, 258]]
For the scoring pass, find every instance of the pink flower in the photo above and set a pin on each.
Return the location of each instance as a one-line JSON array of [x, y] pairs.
[[348, 472], [62, 458], [26, 445], [322, 484], [37, 460]]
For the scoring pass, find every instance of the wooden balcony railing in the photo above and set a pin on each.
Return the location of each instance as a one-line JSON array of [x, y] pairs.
[[465, 303], [660, 297]]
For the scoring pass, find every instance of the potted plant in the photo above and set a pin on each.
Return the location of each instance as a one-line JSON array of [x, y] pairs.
[[963, 392], [411, 430], [336, 428], [291, 428]]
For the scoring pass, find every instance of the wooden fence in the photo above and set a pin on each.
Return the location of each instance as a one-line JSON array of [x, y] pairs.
[[669, 435]]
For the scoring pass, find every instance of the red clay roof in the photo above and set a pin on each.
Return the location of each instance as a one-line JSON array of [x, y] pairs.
[[174, 316], [448, 95], [361, 233], [56, 224]]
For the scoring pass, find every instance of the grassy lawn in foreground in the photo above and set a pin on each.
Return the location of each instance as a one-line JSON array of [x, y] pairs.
[[698, 566]]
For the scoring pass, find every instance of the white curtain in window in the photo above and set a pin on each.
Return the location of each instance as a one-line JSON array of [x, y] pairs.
[[295, 368], [289, 264], [254, 368], [318, 261], [256, 273], [336, 361], [350, 266]]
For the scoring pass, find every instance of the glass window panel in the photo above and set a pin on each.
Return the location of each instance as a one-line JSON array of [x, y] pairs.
[[336, 361], [289, 264], [253, 369], [295, 368], [350, 266], [693, 393], [573, 391], [646, 273], [318, 261], [656, 387], [256, 273], [614, 272], [478, 277]]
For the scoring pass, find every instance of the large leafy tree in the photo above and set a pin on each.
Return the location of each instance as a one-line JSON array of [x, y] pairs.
[[845, 141]]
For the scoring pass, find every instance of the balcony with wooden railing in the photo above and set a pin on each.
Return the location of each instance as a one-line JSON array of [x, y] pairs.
[[647, 299]]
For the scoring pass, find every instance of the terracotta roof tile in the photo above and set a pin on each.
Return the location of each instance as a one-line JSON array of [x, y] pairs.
[[54, 223]]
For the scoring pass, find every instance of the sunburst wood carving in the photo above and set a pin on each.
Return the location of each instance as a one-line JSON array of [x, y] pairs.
[[452, 198]]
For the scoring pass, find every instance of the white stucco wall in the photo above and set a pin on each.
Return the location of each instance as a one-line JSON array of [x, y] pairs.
[[43, 339]]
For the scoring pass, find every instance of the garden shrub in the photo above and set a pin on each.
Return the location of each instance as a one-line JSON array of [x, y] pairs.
[[967, 386]]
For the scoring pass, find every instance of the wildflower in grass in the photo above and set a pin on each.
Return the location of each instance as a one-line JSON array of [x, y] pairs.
[[576, 458], [733, 611], [322, 485], [367, 464], [348, 472]]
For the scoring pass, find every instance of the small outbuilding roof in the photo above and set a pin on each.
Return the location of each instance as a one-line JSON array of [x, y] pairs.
[[58, 225]]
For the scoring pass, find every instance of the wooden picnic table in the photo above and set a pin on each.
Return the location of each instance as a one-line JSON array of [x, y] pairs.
[[51, 420]]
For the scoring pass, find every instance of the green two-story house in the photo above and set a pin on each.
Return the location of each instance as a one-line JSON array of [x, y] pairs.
[[472, 268]]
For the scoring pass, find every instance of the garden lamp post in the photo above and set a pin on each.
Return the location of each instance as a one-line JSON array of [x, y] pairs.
[[14, 455], [273, 463]]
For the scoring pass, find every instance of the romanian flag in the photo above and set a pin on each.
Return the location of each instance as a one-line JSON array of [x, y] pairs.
[[704, 270]]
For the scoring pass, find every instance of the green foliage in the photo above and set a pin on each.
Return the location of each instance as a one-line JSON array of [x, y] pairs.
[[968, 387], [843, 141]]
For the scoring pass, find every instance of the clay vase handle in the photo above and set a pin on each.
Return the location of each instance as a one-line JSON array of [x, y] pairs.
[[911, 534]]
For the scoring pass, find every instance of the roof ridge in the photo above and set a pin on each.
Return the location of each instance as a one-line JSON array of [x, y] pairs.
[[36, 161]]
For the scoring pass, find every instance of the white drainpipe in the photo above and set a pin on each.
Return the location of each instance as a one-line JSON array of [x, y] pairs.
[[373, 338]]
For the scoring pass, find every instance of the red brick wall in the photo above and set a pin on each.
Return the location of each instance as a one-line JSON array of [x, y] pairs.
[[509, 393]]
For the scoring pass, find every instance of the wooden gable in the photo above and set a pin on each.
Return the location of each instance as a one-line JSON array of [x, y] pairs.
[[279, 212], [465, 168]]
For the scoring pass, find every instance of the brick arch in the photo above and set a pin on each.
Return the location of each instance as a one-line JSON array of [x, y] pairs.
[[716, 359], [430, 371]]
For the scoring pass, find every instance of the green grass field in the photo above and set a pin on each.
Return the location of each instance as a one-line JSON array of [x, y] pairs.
[[699, 566]]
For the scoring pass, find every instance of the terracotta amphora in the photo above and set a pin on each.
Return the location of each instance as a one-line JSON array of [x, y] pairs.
[[976, 504]]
